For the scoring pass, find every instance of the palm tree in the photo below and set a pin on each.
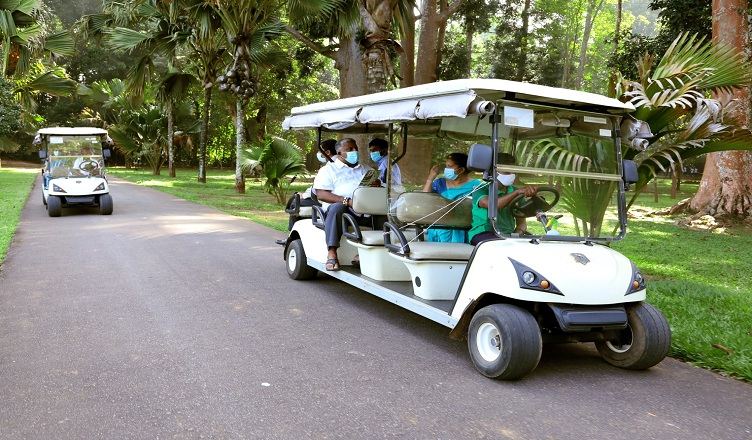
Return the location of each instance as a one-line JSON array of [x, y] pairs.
[[26, 38], [207, 46], [166, 32], [249, 25], [672, 96], [278, 160]]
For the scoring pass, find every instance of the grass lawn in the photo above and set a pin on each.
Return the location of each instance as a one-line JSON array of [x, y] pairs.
[[15, 185], [695, 278]]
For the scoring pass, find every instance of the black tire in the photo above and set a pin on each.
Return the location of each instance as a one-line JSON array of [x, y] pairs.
[[297, 263], [105, 204], [54, 206], [44, 202], [644, 343], [517, 337]]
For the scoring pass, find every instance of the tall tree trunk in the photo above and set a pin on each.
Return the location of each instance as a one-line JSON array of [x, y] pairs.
[[617, 35], [352, 78], [594, 7], [204, 138], [239, 144], [433, 20], [522, 41], [726, 187], [407, 57], [171, 137], [469, 33]]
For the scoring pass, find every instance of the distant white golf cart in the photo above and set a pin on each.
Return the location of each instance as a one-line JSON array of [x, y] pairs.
[[559, 282], [74, 168]]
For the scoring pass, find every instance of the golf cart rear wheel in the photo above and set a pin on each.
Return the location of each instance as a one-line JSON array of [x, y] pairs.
[[44, 201], [297, 263], [504, 341], [644, 343], [105, 204], [54, 206]]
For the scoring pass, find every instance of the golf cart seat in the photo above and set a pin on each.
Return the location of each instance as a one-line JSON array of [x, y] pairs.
[[375, 262], [436, 269]]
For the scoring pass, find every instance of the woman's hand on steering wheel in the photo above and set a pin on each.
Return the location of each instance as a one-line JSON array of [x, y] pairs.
[[530, 202]]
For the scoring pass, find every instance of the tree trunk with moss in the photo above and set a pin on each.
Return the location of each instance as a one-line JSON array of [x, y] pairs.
[[239, 144], [204, 137]]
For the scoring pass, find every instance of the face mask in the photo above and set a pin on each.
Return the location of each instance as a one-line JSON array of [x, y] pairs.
[[321, 157], [506, 179], [352, 157], [375, 156], [450, 174]]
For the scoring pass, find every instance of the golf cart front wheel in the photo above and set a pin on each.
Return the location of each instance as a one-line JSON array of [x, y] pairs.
[[297, 263], [105, 204], [54, 206], [644, 343], [504, 341]]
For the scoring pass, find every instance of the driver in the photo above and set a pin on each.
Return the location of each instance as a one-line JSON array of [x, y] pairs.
[[86, 163], [506, 222]]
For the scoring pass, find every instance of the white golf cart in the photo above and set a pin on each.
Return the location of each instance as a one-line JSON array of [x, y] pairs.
[[74, 169], [558, 282]]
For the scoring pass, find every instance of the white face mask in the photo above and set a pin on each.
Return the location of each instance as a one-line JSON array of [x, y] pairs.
[[506, 179]]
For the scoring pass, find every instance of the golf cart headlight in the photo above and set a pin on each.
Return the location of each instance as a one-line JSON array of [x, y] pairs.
[[57, 188], [638, 281], [100, 187], [528, 278]]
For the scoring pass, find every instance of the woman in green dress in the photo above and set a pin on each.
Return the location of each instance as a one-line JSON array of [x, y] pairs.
[[455, 184], [506, 223]]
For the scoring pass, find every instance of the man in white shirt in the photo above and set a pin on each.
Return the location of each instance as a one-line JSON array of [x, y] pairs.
[[334, 186], [379, 148]]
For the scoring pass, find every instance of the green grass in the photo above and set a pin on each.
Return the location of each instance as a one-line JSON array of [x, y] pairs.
[[698, 279], [218, 192], [15, 185]]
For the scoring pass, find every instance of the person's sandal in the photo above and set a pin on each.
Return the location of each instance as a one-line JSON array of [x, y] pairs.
[[332, 264]]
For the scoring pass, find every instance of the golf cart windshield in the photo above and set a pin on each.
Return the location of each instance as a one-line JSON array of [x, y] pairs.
[[573, 159], [75, 156]]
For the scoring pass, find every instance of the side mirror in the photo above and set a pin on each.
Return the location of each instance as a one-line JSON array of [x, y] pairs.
[[43, 154], [106, 153], [480, 157], [630, 172]]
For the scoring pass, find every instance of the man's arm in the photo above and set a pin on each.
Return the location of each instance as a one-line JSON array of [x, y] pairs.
[[324, 195]]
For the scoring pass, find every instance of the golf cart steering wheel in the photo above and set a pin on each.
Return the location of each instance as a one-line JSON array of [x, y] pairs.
[[530, 206], [88, 165]]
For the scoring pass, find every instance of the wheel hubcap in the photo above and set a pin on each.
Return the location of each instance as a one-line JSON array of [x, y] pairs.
[[292, 260], [623, 343], [488, 341]]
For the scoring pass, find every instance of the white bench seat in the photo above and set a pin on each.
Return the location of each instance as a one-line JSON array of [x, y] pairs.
[[422, 250]]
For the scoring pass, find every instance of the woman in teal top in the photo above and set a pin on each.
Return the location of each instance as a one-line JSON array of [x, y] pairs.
[[505, 222], [455, 184]]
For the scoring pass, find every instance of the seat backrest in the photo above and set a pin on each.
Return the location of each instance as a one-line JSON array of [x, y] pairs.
[[370, 200], [423, 209]]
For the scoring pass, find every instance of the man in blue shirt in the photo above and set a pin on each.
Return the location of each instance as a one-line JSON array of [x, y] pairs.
[[378, 148]]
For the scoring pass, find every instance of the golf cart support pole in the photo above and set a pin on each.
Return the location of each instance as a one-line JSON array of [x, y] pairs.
[[493, 188], [404, 143], [388, 161]]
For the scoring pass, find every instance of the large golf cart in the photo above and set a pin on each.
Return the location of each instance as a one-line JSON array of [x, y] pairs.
[[558, 281], [74, 169]]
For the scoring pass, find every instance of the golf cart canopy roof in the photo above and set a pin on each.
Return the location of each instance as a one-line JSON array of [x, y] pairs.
[[456, 98], [72, 131]]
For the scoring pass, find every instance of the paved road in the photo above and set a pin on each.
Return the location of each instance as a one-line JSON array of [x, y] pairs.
[[172, 320]]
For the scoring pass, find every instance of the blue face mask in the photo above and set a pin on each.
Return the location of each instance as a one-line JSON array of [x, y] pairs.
[[352, 157], [375, 156], [321, 157], [450, 174]]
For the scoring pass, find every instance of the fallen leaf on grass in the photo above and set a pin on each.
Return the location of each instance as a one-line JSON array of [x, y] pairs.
[[723, 348]]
